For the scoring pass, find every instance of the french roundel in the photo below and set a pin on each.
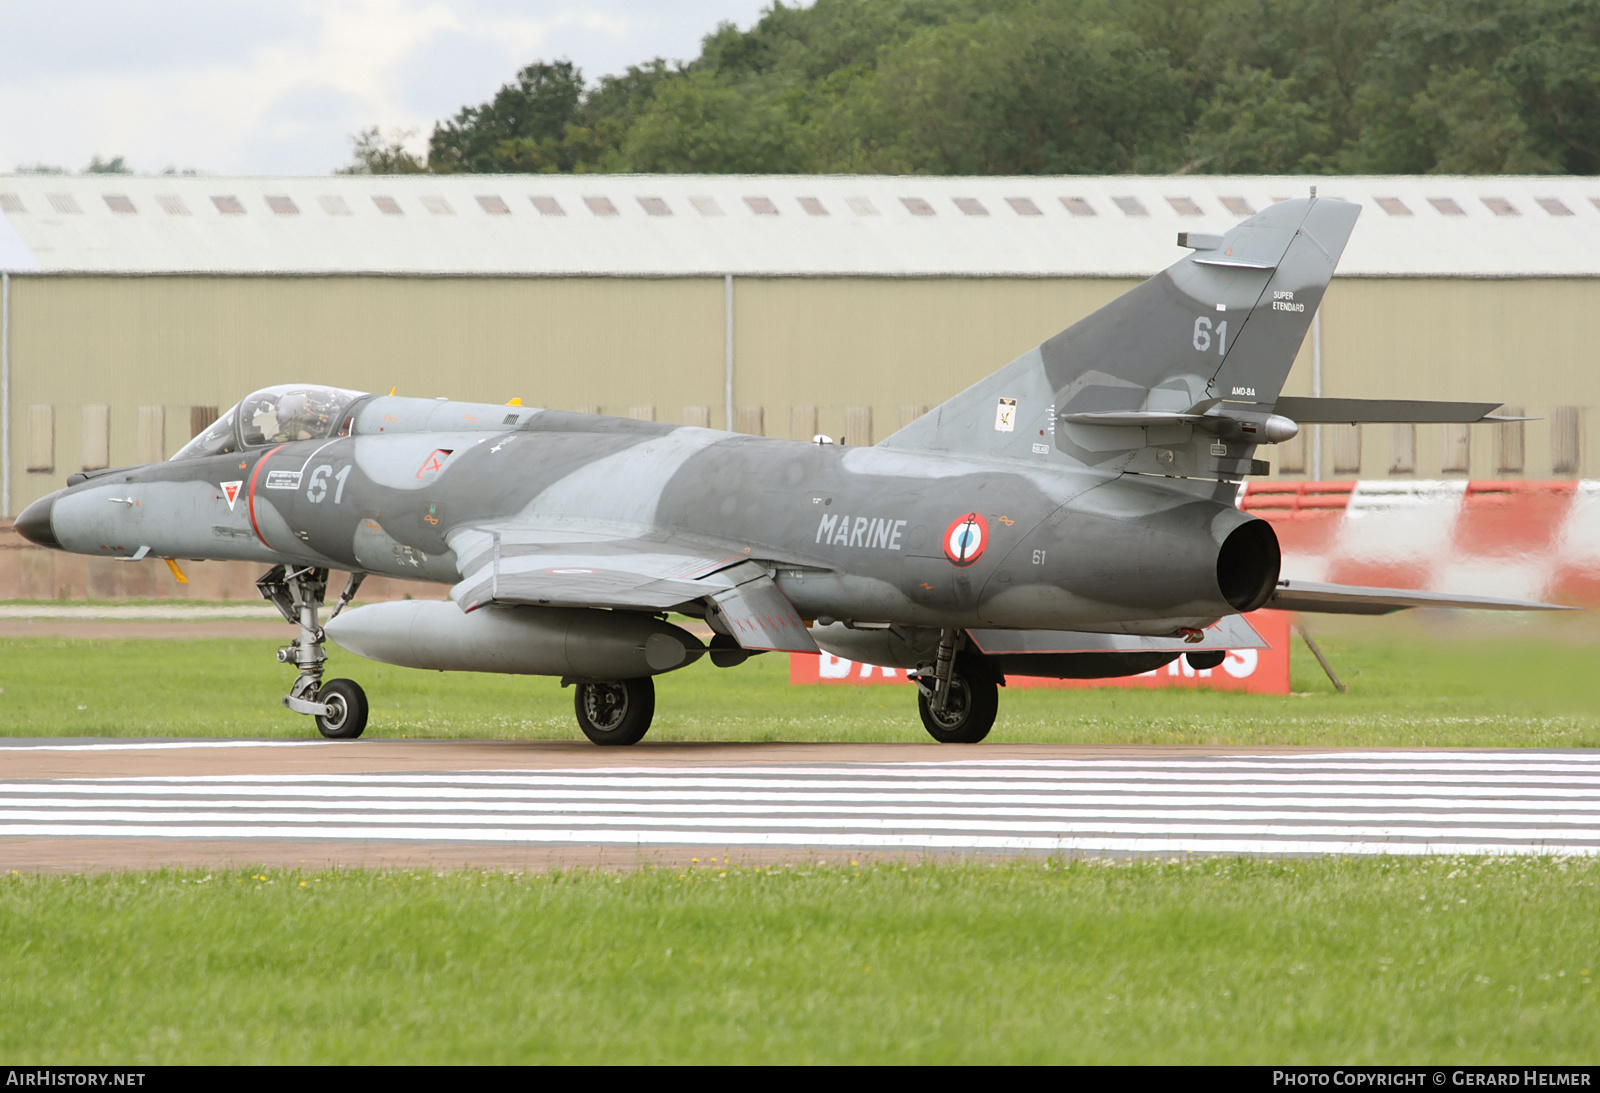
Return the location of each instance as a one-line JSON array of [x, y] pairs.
[[965, 539]]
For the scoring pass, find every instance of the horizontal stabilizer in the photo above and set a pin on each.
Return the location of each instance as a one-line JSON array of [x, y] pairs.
[[1385, 411], [1233, 632], [1340, 599]]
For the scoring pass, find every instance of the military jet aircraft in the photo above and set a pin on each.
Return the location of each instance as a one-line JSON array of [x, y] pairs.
[[1073, 515]]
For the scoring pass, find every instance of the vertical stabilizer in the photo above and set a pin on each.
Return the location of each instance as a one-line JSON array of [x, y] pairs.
[[1168, 378]]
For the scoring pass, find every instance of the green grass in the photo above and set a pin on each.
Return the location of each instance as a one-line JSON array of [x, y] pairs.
[[1210, 961], [1409, 686]]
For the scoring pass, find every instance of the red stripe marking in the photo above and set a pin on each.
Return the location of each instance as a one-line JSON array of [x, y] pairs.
[[262, 462]]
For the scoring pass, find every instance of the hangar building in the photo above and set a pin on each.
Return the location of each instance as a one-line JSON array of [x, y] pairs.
[[135, 307]]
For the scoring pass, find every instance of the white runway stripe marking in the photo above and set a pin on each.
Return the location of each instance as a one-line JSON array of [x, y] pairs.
[[1346, 804]]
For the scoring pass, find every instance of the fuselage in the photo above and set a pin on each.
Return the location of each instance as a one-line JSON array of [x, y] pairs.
[[863, 534]]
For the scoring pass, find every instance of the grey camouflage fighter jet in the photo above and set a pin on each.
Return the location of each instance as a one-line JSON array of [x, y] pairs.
[[1073, 515]]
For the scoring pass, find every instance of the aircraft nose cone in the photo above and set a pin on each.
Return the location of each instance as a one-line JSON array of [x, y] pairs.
[[34, 523]]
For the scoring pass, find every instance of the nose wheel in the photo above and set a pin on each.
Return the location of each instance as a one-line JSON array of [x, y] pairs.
[[339, 705]]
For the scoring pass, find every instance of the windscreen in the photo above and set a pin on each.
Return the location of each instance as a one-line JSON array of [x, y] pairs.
[[214, 439]]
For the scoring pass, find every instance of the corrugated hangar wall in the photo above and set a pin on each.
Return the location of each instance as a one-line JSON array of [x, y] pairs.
[[855, 355], [140, 305]]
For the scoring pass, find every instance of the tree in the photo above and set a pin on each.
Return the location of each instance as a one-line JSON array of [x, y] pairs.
[[526, 119], [375, 154]]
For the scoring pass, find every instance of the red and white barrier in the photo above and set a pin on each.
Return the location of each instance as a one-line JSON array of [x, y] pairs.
[[1514, 538]]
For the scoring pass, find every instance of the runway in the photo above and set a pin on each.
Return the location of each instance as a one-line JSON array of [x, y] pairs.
[[522, 804]]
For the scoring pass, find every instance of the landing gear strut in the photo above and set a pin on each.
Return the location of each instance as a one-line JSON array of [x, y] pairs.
[[340, 705], [959, 699]]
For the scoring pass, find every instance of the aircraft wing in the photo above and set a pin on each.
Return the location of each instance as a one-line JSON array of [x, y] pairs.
[[1341, 599], [566, 569]]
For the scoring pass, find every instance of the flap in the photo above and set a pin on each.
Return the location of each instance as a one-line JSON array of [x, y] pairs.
[[640, 573], [759, 615]]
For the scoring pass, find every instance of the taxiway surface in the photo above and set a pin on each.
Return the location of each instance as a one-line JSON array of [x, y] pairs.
[[70, 805]]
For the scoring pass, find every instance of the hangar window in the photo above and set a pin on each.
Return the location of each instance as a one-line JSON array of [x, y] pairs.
[[1512, 437], [1447, 206], [1077, 206], [802, 422], [438, 206], [655, 206], [334, 205], [119, 203], [150, 442], [11, 203], [1184, 206], [1565, 435], [1393, 206], [706, 206], [971, 206], [858, 426], [388, 206], [861, 206], [1457, 450], [1238, 206], [96, 437], [600, 206], [547, 206], [1023, 206], [1595, 201], [642, 413], [698, 417], [282, 205], [813, 206], [172, 205], [1346, 449], [1501, 207], [493, 205], [1131, 206], [1553, 206], [1402, 449], [64, 203], [750, 420], [41, 438], [917, 206], [228, 205], [761, 206]]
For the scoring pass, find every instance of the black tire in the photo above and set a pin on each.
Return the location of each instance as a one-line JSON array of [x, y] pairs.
[[348, 714], [617, 712], [970, 713]]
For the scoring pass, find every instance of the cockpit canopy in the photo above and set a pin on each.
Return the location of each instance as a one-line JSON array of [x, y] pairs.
[[275, 415]]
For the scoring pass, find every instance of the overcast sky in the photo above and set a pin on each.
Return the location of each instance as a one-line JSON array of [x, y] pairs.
[[231, 87]]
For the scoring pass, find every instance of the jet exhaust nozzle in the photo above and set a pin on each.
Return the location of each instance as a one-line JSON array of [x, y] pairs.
[[576, 642]]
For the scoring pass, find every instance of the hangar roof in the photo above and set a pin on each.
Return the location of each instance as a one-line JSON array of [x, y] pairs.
[[784, 225]]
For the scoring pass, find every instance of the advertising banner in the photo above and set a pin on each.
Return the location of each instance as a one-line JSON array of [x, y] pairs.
[[1259, 671]]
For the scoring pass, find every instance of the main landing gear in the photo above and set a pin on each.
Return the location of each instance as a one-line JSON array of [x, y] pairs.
[[959, 698], [339, 705], [615, 712]]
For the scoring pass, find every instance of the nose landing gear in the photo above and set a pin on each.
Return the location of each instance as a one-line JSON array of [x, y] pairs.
[[340, 705]]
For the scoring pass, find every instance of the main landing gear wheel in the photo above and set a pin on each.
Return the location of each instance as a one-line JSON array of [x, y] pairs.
[[969, 711], [616, 712], [347, 709]]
